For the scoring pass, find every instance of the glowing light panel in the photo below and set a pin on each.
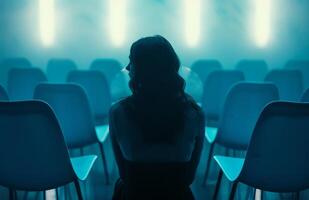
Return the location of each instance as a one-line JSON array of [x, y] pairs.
[[262, 22], [117, 21], [47, 21], [192, 21]]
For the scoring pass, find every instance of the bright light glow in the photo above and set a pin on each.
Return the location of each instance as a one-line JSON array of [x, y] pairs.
[[192, 21], [47, 21], [262, 22], [117, 21]]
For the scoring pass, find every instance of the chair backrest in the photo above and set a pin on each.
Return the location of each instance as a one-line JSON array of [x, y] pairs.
[[58, 69], [22, 82], [305, 96], [109, 67], [216, 88], [254, 70], [204, 67], [10, 63], [3, 95], [97, 90], [279, 149], [33, 153], [302, 66], [243, 106], [71, 106], [288, 82]]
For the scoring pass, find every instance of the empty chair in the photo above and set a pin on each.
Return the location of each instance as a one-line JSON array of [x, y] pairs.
[[302, 66], [10, 63], [204, 67], [109, 67], [244, 103], [289, 83], [3, 95], [254, 70], [58, 69], [22, 82], [97, 90], [216, 87], [71, 106], [277, 157], [33, 154]]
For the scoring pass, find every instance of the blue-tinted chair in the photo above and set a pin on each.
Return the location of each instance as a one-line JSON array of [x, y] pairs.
[[277, 157], [22, 82], [302, 66], [33, 154], [288, 82], [204, 67], [71, 106], [305, 96], [109, 67], [244, 103], [58, 69], [215, 90], [97, 90], [254, 70], [9, 63], [3, 95]]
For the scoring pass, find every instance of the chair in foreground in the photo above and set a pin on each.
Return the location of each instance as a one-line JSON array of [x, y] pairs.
[[288, 82], [254, 70], [22, 82], [244, 103], [277, 157], [3, 95], [33, 153], [71, 106], [58, 69], [216, 88], [97, 90]]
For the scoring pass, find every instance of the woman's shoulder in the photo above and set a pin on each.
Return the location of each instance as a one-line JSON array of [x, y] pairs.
[[120, 106], [194, 108]]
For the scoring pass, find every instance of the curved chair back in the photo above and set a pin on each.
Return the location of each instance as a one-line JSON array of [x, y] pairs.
[[302, 66], [305, 96], [216, 87], [109, 67], [22, 82], [33, 153], [71, 106], [10, 63], [3, 95], [288, 82], [254, 70], [243, 105], [58, 69], [279, 149], [97, 90], [204, 67]]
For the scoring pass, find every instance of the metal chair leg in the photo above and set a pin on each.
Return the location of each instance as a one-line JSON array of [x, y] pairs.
[[12, 194], [214, 197], [44, 195], [211, 150], [104, 163], [78, 190], [233, 191]]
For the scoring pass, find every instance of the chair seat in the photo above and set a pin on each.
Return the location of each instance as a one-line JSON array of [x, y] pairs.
[[82, 165], [211, 134], [102, 132], [230, 166]]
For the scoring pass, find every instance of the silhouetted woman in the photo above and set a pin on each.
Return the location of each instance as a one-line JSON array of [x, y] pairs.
[[158, 131]]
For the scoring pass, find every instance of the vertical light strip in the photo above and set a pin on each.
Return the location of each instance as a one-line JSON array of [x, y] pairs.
[[117, 21], [262, 22], [47, 21], [192, 22]]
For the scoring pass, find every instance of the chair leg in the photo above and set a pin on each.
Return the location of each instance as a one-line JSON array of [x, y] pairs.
[[44, 195], [104, 163], [81, 150], [233, 191], [25, 195], [211, 150], [78, 190], [297, 195], [214, 197], [12, 194]]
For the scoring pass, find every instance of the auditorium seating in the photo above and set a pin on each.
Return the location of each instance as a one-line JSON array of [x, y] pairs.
[[3, 94], [254, 70], [301, 65], [204, 67], [58, 69]]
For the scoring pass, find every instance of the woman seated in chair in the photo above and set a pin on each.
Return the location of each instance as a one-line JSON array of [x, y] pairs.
[[158, 131]]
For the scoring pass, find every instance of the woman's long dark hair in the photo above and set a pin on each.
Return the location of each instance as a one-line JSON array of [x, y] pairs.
[[158, 90]]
